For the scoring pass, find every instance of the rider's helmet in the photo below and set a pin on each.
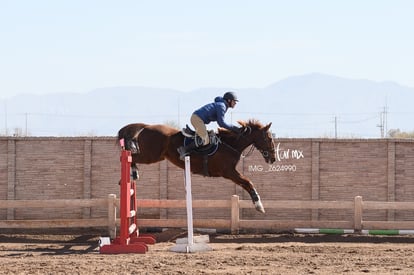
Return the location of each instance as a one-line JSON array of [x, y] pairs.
[[230, 96]]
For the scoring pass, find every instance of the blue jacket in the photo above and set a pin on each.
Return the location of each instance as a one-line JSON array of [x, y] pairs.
[[215, 112]]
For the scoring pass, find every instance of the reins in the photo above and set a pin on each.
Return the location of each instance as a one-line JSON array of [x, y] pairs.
[[252, 147], [248, 130], [249, 152]]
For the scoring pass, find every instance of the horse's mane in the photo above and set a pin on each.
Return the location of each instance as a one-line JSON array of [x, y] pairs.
[[252, 123]]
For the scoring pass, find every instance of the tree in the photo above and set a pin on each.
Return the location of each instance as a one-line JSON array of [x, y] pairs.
[[172, 123], [397, 133]]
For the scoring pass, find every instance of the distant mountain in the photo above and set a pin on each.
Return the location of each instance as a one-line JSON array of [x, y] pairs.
[[312, 105]]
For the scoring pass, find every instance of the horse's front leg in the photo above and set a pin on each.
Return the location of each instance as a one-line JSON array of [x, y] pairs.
[[249, 187], [257, 201]]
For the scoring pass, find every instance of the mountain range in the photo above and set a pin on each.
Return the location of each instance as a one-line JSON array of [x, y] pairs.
[[311, 105]]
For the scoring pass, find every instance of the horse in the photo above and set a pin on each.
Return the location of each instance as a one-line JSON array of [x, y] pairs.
[[154, 143]]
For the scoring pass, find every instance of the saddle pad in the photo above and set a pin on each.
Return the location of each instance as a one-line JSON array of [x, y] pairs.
[[208, 150]]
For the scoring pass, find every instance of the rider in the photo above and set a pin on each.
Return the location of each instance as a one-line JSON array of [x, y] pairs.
[[214, 111]]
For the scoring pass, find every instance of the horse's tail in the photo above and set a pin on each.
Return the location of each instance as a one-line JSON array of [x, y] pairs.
[[122, 133], [130, 134]]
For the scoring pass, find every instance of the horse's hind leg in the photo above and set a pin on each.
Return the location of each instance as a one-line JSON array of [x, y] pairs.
[[132, 145], [134, 171], [248, 186]]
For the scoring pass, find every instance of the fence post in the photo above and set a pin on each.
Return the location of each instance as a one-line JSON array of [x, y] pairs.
[[358, 213], [235, 214], [112, 215]]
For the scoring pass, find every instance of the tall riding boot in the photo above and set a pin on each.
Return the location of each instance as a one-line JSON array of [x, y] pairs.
[[186, 150]]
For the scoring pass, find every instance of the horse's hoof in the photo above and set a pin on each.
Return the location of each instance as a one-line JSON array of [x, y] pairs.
[[259, 207]]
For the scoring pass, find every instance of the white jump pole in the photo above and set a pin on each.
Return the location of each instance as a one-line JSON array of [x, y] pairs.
[[189, 202], [187, 245]]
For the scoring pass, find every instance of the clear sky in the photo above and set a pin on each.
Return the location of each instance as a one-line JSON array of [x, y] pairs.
[[79, 45]]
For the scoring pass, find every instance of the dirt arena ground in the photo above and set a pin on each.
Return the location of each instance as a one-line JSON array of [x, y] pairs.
[[232, 254]]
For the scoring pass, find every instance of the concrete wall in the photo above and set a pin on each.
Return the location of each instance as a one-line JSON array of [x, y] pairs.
[[306, 169]]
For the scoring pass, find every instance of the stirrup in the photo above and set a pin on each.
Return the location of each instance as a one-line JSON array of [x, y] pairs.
[[183, 153]]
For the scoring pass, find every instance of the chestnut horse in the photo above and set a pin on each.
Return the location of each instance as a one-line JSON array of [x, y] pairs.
[[154, 143]]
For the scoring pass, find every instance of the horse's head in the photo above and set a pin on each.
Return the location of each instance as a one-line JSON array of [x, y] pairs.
[[262, 139]]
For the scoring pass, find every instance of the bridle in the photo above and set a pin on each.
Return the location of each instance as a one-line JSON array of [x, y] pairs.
[[266, 153], [248, 130]]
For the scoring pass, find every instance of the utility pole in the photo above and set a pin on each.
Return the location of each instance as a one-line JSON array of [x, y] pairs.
[[5, 117], [26, 124], [335, 121], [385, 120], [179, 124], [383, 125]]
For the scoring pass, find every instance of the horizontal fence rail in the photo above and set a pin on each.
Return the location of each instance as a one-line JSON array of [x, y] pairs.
[[234, 205], [55, 223]]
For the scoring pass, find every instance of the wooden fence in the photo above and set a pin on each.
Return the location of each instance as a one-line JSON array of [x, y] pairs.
[[57, 223], [356, 222]]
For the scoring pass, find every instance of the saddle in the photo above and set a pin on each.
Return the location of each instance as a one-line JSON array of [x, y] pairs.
[[194, 144], [190, 136]]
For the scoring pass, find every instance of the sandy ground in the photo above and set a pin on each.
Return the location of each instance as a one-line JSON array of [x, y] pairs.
[[232, 254]]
